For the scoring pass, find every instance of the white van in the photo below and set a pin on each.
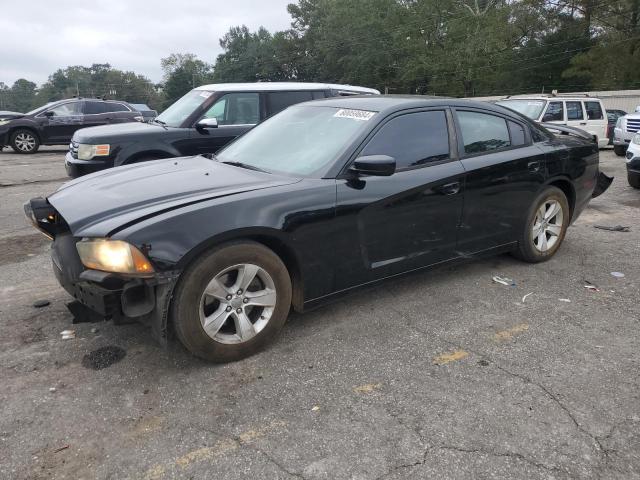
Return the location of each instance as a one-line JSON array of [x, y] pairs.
[[584, 112]]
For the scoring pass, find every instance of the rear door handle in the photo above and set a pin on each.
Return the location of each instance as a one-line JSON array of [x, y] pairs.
[[583, 123], [534, 166], [449, 188]]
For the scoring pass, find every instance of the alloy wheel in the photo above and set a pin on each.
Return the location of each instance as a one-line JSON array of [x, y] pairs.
[[237, 303], [547, 225], [25, 142]]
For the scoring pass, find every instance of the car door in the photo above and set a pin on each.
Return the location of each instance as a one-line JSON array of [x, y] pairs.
[[504, 171], [95, 113], [236, 114], [596, 119], [62, 121], [409, 219], [575, 114]]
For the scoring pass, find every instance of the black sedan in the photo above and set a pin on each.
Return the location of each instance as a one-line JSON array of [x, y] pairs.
[[56, 122], [318, 200]]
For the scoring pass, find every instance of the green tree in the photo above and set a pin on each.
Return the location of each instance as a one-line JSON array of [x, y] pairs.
[[182, 72]]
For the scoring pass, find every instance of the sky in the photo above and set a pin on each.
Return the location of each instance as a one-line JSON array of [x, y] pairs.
[[40, 36]]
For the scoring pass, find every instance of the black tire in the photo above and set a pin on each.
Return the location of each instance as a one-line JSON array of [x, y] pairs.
[[633, 179], [186, 304], [527, 250], [619, 150], [24, 141]]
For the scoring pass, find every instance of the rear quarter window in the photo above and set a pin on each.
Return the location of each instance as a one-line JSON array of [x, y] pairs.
[[278, 101], [594, 110]]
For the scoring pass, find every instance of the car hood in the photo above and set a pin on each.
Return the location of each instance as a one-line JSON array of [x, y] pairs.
[[10, 115], [104, 202], [117, 131]]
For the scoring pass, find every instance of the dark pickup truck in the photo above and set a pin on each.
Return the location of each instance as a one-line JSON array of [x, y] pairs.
[[203, 121]]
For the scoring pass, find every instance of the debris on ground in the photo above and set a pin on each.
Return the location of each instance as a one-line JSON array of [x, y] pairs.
[[591, 286], [450, 357], [508, 334], [618, 274], [368, 388], [525, 297], [94, 330], [61, 449], [566, 300], [617, 228], [315, 408], [68, 334], [41, 303], [52, 389], [483, 363], [504, 281], [103, 357]]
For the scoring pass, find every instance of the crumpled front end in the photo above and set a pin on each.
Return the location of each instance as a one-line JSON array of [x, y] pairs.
[[100, 295]]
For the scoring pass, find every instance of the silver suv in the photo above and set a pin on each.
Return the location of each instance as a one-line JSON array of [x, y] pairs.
[[625, 129]]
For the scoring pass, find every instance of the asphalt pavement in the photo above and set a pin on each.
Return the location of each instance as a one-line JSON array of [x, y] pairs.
[[444, 374]]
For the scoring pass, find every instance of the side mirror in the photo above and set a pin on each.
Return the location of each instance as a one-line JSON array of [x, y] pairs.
[[207, 123], [377, 165], [49, 114]]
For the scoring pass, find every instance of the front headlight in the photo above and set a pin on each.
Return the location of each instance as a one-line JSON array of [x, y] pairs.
[[87, 152], [619, 122], [4, 122], [636, 139], [114, 256]]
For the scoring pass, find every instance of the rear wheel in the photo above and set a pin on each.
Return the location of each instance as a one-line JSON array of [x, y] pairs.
[[545, 227], [619, 150], [232, 302], [634, 179], [24, 141]]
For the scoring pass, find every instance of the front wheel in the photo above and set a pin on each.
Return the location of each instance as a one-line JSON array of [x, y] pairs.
[[545, 227], [634, 179], [231, 302], [619, 150], [24, 141]]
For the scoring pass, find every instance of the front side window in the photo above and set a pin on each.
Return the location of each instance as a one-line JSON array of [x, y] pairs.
[[278, 101], [299, 141], [517, 134], [594, 110], [574, 111], [413, 139], [555, 112], [236, 109], [66, 109], [482, 132]]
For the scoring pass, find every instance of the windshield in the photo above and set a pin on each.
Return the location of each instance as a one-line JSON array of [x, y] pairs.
[[177, 113], [40, 109], [299, 141], [529, 108]]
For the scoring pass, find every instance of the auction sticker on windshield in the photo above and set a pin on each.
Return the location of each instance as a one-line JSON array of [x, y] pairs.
[[354, 114]]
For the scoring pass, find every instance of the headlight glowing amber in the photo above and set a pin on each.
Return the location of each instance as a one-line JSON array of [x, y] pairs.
[[113, 256]]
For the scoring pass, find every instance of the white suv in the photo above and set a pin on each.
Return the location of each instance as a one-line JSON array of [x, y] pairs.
[[626, 128], [583, 112]]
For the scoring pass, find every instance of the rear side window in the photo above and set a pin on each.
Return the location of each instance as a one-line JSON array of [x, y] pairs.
[[594, 110], [277, 101], [413, 139], [517, 134], [482, 132], [574, 111], [115, 107], [555, 112], [93, 108]]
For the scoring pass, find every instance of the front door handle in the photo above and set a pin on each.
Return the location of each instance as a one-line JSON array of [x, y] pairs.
[[583, 123], [534, 166], [449, 188]]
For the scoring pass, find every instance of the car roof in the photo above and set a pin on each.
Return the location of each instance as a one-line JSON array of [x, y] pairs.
[[550, 98], [390, 103], [284, 86]]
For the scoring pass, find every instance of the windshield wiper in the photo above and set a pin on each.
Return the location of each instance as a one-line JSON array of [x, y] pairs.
[[245, 165], [160, 122]]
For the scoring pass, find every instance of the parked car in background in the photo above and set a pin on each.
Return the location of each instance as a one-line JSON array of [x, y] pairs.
[[633, 161], [612, 119], [583, 112], [147, 113], [320, 199], [201, 122], [56, 122], [626, 128]]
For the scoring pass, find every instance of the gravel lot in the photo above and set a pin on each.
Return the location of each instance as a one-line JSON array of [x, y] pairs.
[[437, 375]]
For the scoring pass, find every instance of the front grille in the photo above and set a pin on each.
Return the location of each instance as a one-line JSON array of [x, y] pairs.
[[73, 148], [633, 125]]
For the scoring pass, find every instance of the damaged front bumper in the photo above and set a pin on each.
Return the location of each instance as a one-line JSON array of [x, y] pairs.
[[107, 296]]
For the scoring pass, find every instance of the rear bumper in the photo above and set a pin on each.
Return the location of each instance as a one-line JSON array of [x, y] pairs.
[[76, 168], [110, 296]]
